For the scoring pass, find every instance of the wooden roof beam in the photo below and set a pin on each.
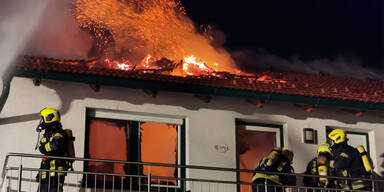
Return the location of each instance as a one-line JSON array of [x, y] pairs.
[[306, 107], [36, 82], [205, 98], [257, 103], [95, 88], [151, 93], [357, 113]]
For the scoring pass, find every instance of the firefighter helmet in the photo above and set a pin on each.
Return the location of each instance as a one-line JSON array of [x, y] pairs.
[[337, 136], [287, 153], [49, 115], [324, 148]]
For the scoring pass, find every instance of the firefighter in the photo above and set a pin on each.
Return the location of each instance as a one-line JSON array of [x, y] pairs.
[[278, 160], [347, 162], [317, 166], [53, 143]]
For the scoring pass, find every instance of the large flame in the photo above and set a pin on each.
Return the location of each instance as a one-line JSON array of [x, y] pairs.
[[156, 27]]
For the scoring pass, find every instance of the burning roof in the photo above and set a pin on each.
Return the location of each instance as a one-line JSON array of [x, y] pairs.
[[262, 85]]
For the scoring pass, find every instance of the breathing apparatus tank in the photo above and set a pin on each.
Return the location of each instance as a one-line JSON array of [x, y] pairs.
[[366, 161], [322, 171], [70, 146], [272, 157]]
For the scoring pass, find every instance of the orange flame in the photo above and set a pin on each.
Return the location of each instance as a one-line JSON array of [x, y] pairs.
[[193, 67], [158, 27]]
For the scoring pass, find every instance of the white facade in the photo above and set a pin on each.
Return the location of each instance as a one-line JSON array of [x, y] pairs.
[[207, 124]]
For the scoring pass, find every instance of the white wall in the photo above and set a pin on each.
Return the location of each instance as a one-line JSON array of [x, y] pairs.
[[208, 124]]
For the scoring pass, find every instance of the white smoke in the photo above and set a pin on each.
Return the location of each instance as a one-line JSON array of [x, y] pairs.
[[338, 66], [58, 35], [18, 19]]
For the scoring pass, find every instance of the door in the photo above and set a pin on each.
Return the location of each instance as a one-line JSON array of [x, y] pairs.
[[254, 141]]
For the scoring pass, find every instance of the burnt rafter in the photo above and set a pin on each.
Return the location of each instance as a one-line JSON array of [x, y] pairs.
[[151, 93], [357, 113], [307, 108], [95, 88], [205, 98], [36, 82], [257, 103]]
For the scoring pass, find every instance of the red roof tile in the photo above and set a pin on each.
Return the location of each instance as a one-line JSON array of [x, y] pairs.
[[277, 82]]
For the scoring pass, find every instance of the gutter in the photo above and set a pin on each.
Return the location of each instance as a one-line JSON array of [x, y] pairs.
[[197, 89], [6, 84]]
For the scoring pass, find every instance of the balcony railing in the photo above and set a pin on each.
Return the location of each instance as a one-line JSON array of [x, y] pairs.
[[20, 170]]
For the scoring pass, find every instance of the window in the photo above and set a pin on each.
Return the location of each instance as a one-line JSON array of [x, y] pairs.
[[135, 138], [254, 141]]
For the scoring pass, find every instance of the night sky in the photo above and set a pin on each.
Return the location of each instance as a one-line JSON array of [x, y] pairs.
[[309, 29]]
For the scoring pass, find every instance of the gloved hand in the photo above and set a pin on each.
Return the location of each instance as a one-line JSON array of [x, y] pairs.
[[43, 141]]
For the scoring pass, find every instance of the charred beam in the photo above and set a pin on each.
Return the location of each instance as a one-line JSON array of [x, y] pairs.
[[357, 113], [36, 82], [150, 93], [95, 88], [258, 103], [307, 108], [205, 98]]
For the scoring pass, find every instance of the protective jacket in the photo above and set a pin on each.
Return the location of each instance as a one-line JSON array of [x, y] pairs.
[[281, 164], [53, 143], [348, 163], [312, 169]]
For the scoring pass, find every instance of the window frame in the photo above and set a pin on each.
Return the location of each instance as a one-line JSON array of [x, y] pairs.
[[135, 117], [256, 126]]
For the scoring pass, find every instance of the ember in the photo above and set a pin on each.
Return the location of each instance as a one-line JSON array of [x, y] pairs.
[[142, 32], [192, 67]]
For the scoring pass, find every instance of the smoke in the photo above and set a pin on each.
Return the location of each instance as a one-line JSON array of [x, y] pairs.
[[157, 27], [58, 35], [338, 66], [18, 19]]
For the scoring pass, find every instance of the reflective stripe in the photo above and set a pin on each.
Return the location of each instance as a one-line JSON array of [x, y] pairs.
[[44, 140], [274, 178], [359, 184], [57, 135], [52, 167], [60, 168], [48, 147], [43, 175]]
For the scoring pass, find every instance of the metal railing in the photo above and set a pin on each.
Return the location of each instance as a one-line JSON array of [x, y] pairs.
[[19, 171]]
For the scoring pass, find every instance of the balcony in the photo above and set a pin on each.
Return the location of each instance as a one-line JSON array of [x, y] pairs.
[[20, 170]]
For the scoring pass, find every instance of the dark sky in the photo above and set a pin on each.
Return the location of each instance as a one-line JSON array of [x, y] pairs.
[[310, 29]]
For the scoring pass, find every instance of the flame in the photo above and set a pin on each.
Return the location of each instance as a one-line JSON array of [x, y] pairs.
[[133, 29], [124, 65], [193, 67], [155, 36]]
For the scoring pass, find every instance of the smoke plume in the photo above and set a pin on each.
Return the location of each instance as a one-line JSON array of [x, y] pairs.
[[338, 66], [58, 35], [18, 19]]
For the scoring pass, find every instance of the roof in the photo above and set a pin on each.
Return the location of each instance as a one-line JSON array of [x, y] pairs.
[[266, 85]]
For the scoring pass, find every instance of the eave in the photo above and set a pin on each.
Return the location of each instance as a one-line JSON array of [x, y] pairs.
[[193, 89]]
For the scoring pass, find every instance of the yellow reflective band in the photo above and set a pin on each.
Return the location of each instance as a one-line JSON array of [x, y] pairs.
[[60, 168], [44, 140], [332, 164], [48, 147], [43, 175], [52, 167], [274, 178], [57, 135]]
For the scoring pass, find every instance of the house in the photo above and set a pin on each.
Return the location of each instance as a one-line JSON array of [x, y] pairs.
[[200, 120]]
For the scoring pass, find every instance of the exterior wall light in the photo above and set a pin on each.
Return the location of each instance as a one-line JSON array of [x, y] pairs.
[[310, 136]]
